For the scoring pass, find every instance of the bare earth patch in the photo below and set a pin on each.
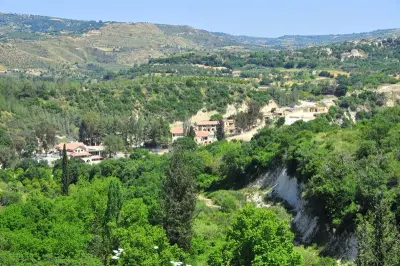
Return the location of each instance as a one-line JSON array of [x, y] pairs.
[[208, 202], [392, 93]]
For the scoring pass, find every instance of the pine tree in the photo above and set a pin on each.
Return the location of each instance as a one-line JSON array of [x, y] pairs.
[[65, 172], [179, 199], [378, 238]]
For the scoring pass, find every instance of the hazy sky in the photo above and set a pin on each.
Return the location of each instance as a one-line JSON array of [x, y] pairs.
[[264, 18]]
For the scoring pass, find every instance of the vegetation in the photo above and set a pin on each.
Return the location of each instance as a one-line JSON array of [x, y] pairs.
[[192, 204], [249, 241], [65, 179]]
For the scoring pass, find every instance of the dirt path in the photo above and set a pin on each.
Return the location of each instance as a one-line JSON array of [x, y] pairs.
[[208, 202]]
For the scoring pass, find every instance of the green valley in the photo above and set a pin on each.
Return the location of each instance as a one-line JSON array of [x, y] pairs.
[[153, 144]]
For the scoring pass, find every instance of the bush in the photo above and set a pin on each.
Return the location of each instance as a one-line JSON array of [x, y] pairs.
[[326, 74], [226, 200]]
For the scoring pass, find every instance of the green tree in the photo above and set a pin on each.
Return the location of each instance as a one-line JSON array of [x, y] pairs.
[[111, 216], [113, 144], [281, 121], [216, 117], [46, 133], [257, 238], [114, 202], [90, 129], [65, 172], [378, 236], [7, 156], [158, 132], [185, 143], [179, 199]]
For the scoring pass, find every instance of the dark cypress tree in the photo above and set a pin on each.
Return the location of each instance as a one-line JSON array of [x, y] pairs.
[[65, 172], [179, 199], [220, 130], [191, 133]]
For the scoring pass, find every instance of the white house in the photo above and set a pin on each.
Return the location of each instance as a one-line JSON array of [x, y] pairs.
[[176, 133]]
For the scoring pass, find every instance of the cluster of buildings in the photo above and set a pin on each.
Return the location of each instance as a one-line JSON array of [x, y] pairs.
[[89, 154], [205, 131], [293, 114]]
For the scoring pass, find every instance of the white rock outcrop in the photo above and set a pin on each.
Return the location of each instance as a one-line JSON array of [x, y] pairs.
[[288, 189]]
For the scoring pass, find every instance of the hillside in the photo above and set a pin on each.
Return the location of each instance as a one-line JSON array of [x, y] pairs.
[[188, 147], [298, 41], [29, 41], [69, 46]]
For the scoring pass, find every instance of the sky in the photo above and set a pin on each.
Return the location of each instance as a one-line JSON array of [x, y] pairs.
[[262, 18]]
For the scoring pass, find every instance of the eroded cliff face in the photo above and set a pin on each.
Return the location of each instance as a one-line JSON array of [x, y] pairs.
[[287, 188]]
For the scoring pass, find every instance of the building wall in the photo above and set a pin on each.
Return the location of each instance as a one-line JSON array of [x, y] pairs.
[[79, 150], [176, 136], [210, 128]]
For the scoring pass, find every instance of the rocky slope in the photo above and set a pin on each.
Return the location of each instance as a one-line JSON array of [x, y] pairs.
[[307, 226]]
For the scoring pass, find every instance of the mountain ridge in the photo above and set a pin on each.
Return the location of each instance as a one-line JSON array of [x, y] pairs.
[[33, 41], [379, 32]]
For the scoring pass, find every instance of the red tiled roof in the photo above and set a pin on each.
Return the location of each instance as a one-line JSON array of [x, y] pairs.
[[202, 134], [207, 123], [176, 130], [70, 146]]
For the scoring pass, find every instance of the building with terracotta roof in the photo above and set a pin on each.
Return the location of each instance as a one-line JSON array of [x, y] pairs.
[[72, 147], [210, 126], [177, 133], [204, 137], [79, 150]]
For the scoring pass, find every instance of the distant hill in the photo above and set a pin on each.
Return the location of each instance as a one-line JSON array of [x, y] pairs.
[[28, 41], [298, 41], [39, 42]]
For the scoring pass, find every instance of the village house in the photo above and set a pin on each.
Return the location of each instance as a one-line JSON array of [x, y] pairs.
[[236, 73], [229, 127], [210, 126], [204, 137], [205, 131], [176, 133], [294, 114], [89, 154]]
